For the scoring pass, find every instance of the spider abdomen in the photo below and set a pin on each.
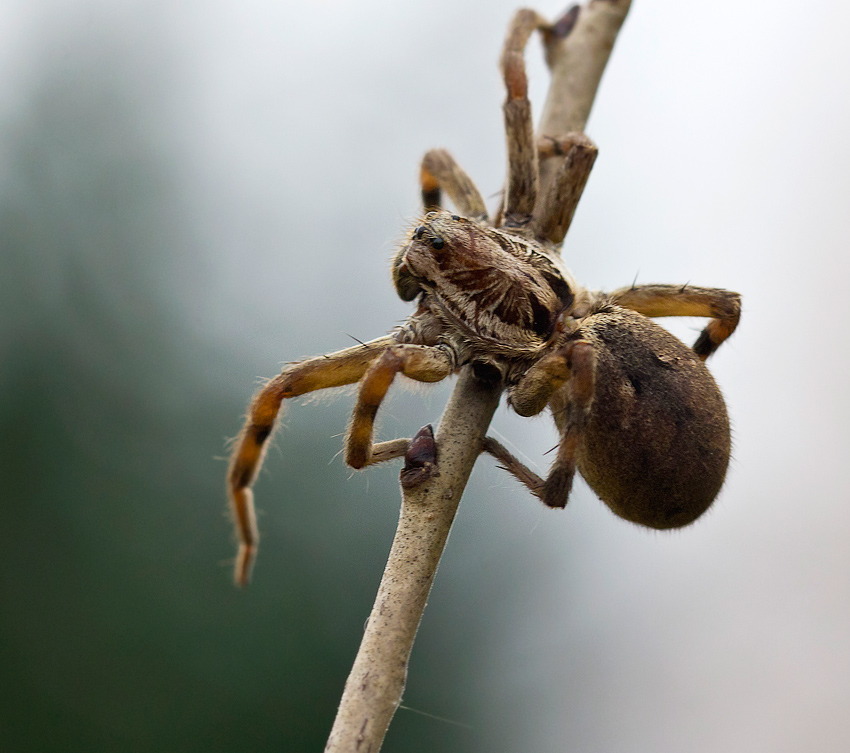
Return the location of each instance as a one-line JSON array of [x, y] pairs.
[[657, 442]]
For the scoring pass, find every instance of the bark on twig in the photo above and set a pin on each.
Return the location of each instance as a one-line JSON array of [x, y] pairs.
[[577, 49], [374, 687]]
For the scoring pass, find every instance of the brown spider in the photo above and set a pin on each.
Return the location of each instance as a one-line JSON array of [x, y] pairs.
[[638, 413]]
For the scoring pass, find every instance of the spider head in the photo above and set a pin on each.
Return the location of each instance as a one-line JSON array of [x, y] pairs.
[[495, 284], [435, 237]]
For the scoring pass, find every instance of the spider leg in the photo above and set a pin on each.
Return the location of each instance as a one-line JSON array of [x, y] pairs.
[[512, 465], [334, 370], [554, 212], [571, 368], [440, 171], [423, 363], [523, 178], [723, 306], [394, 448]]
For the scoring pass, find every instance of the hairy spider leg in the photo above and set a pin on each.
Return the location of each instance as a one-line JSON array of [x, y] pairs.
[[554, 212], [581, 360], [572, 367], [512, 465], [440, 171], [523, 178], [424, 363], [723, 306], [333, 370]]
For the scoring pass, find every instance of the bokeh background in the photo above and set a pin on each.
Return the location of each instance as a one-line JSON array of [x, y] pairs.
[[192, 193]]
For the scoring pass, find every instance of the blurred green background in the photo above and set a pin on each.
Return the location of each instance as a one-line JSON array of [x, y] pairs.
[[193, 193], [121, 629]]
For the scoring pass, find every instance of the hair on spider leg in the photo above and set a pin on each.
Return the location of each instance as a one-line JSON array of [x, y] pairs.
[[328, 396], [229, 442], [356, 339], [512, 445], [338, 452]]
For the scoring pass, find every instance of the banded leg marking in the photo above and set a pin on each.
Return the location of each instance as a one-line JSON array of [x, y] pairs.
[[334, 370], [440, 171]]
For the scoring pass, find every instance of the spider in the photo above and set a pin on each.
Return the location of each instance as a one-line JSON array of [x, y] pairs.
[[639, 415]]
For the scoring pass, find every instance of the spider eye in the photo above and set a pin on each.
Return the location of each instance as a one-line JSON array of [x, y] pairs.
[[437, 243], [419, 232]]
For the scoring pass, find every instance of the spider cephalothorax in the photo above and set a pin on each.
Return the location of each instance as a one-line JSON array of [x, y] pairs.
[[498, 293], [639, 415]]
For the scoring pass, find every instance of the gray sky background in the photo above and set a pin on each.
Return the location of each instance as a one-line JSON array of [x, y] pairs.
[[296, 130]]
